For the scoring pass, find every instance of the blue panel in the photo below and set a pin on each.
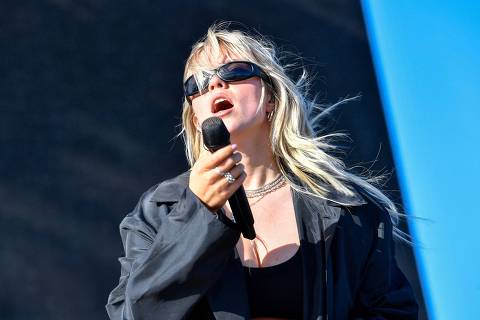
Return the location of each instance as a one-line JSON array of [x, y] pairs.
[[427, 59]]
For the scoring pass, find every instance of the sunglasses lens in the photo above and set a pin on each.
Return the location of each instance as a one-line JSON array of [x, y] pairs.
[[233, 71], [190, 86], [236, 71]]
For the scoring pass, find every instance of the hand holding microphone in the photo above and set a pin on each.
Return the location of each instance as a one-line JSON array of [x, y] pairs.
[[216, 136], [207, 180], [216, 177]]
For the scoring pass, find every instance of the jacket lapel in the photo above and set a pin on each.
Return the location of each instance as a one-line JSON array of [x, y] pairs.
[[309, 230], [317, 220]]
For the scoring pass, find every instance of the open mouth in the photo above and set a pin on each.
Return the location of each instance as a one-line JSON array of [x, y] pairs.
[[221, 104]]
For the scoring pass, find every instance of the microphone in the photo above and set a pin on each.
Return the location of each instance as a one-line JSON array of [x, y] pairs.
[[216, 136]]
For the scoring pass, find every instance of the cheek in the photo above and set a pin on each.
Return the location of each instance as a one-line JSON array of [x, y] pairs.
[[200, 111], [250, 100]]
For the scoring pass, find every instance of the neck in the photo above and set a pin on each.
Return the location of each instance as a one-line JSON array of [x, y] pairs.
[[258, 159]]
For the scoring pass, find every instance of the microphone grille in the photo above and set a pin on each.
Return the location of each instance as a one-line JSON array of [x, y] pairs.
[[215, 133]]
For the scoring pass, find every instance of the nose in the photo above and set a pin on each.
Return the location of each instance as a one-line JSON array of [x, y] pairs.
[[216, 82]]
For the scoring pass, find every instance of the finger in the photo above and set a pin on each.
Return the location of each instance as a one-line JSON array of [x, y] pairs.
[[220, 155], [204, 159], [237, 173], [232, 187], [237, 170], [222, 181], [230, 162], [237, 156], [204, 152]]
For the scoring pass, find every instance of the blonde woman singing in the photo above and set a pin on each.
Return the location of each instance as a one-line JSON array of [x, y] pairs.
[[324, 245]]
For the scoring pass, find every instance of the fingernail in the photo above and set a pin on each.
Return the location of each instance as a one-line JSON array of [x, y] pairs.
[[234, 146]]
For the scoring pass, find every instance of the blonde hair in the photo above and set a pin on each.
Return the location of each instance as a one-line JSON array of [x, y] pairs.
[[299, 151]]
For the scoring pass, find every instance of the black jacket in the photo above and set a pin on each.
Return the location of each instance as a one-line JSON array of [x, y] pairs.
[[180, 260]]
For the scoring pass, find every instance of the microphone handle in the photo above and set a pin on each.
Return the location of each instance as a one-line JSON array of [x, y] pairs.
[[240, 208], [242, 213]]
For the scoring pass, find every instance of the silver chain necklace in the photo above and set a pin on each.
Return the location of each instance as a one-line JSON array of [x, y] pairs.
[[267, 188]]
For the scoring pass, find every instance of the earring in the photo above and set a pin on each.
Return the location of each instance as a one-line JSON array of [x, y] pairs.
[[270, 115]]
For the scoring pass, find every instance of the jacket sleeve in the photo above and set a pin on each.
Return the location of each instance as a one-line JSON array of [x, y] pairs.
[[173, 253], [384, 293]]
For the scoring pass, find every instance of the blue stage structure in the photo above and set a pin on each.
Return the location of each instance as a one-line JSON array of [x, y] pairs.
[[427, 60]]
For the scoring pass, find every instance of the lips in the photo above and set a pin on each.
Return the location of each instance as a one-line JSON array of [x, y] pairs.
[[221, 104]]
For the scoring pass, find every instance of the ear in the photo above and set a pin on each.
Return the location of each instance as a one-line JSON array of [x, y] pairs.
[[270, 105]]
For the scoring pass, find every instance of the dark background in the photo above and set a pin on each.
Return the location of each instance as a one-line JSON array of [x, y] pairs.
[[90, 100]]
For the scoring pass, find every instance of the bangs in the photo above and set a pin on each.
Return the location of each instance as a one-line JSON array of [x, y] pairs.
[[206, 54]]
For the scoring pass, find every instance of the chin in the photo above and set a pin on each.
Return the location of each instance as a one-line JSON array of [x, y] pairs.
[[232, 127], [241, 128]]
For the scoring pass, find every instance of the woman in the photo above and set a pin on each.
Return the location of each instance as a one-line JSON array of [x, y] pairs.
[[324, 244]]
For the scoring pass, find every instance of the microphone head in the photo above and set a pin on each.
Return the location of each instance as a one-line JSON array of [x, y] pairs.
[[215, 134]]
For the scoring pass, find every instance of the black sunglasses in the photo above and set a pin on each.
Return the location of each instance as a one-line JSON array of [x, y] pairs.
[[229, 72]]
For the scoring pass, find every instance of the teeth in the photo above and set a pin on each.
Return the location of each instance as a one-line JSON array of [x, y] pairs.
[[217, 104]]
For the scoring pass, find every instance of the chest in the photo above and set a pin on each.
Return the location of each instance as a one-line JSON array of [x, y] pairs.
[[277, 232], [346, 246]]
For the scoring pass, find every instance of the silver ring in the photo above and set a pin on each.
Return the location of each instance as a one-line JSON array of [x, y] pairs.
[[229, 177]]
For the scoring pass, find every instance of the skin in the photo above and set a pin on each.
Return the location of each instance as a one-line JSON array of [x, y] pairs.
[[251, 162]]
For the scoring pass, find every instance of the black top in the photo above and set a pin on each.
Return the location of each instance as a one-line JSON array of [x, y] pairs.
[[276, 291]]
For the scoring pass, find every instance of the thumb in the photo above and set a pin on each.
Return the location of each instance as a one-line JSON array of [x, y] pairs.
[[204, 152]]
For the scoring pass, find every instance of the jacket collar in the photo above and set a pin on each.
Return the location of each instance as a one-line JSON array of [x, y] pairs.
[[317, 221], [171, 190]]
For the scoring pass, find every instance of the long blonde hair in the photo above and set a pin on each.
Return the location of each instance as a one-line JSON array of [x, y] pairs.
[[297, 146]]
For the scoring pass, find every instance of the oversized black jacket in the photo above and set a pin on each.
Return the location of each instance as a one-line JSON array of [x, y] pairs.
[[181, 263]]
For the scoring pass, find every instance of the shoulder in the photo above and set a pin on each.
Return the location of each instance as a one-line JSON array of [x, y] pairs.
[[360, 210], [374, 209], [373, 216], [170, 190], [167, 191], [363, 229]]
